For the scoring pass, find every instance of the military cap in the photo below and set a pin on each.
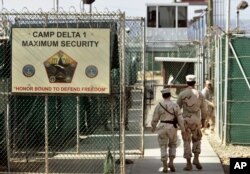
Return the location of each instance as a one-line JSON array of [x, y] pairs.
[[208, 82], [190, 78], [165, 90]]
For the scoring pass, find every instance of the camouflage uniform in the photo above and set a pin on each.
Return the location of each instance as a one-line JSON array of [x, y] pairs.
[[193, 104], [207, 93], [167, 133]]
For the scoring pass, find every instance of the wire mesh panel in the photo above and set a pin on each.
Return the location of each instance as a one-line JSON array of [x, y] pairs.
[[236, 122], [238, 84], [70, 132], [134, 86]]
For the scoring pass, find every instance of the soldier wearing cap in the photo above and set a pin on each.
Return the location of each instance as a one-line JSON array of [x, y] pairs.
[[166, 116], [194, 114], [208, 95]]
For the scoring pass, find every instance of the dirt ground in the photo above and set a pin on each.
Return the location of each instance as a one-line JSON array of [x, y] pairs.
[[225, 152]]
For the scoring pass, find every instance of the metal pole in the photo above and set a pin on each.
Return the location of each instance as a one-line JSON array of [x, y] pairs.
[[201, 72], [90, 8], [201, 75], [46, 128], [113, 119], [82, 6], [204, 67], [122, 95], [143, 78], [57, 5], [226, 71], [8, 128], [200, 29], [205, 72], [195, 30], [77, 123], [237, 19], [217, 83], [209, 26], [221, 87], [210, 13]]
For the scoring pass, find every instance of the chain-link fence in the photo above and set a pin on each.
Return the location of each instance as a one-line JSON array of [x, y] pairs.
[[71, 132], [233, 100]]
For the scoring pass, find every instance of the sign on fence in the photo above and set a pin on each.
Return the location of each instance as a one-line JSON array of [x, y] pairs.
[[60, 60]]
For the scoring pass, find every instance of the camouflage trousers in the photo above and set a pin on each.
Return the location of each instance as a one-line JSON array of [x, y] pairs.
[[210, 118], [193, 135], [167, 139]]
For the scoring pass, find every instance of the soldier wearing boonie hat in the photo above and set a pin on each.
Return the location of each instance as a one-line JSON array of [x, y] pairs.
[[194, 114], [166, 116]]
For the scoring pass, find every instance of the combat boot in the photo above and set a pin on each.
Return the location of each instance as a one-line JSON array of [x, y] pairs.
[[196, 161], [171, 164], [189, 165], [165, 166]]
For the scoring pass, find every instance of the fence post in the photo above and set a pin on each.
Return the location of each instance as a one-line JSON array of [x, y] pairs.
[[46, 127], [226, 71], [122, 92]]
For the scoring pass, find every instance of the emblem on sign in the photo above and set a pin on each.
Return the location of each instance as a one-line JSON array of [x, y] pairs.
[[28, 70], [60, 68], [91, 71]]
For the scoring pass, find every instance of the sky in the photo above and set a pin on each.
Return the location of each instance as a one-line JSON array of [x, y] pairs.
[[130, 7]]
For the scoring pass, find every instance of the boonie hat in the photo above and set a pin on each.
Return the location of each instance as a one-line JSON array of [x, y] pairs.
[[165, 90], [190, 78]]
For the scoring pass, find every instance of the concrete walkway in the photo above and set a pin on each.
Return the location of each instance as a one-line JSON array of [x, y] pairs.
[[151, 163]]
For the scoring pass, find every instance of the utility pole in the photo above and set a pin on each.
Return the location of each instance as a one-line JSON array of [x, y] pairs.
[[210, 13], [209, 34]]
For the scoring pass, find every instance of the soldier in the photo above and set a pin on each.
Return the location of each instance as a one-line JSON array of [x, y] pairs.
[[169, 115], [208, 95], [193, 104]]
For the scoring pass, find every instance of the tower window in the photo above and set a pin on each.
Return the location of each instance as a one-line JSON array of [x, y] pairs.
[[182, 17], [167, 17], [151, 22]]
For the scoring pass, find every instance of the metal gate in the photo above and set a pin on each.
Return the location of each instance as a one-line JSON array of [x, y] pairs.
[[72, 133]]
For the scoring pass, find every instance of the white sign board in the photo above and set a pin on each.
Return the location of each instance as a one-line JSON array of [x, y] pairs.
[[61, 60]]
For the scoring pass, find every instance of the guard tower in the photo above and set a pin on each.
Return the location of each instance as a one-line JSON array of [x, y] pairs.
[[166, 23], [170, 48], [166, 32]]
